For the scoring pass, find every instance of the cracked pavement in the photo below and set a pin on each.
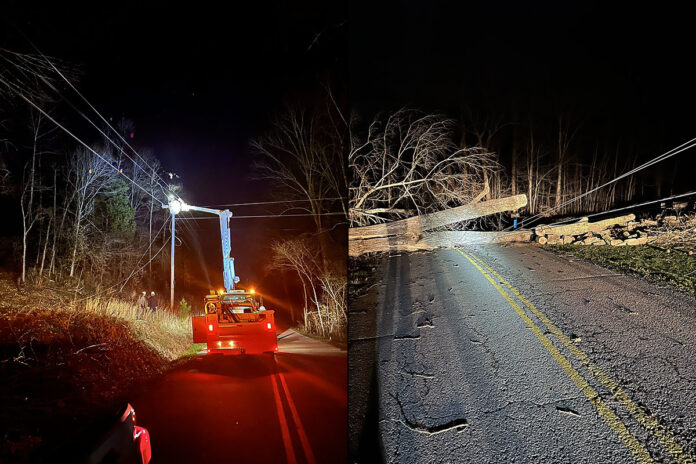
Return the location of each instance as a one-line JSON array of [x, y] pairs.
[[442, 368]]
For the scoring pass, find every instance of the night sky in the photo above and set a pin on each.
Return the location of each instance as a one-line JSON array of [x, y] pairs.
[[198, 81], [587, 57], [620, 71]]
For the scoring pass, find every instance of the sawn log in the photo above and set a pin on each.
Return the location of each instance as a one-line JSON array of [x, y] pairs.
[[415, 226], [434, 240], [583, 226]]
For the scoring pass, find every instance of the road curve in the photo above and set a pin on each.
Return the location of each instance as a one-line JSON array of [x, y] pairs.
[[514, 354], [287, 408]]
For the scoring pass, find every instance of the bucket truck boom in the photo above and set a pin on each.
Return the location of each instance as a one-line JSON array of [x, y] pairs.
[[234, 320]]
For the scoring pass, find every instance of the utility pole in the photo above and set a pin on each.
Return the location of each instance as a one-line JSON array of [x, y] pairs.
[[171, 284], [175, 206]]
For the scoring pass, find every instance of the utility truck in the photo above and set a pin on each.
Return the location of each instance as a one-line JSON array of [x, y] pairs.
[[235, 321]]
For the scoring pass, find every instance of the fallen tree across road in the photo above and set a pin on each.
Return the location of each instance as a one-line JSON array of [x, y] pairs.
[[411, 234], [416, 225], [430, 241]]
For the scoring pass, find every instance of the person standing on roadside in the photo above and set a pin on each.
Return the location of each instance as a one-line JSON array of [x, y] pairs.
[[142, 301], [152, 301]]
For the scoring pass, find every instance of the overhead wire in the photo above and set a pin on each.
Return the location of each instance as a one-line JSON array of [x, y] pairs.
[[265, 216], [637, 205], [279, 201], [21, 95], [125, 281], [95, 111], [93, 108], [161, 182], [668, 154]]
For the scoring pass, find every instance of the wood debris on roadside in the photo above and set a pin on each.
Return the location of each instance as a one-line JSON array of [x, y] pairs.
[[666, 232]]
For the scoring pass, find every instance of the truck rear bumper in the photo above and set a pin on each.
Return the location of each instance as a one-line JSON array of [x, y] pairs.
[[231, 345]]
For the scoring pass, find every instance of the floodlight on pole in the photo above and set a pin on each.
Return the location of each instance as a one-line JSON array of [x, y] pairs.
[[175, 206]]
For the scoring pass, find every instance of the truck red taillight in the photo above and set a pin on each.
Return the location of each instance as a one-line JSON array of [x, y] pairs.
[[268, 325], [210, 327]]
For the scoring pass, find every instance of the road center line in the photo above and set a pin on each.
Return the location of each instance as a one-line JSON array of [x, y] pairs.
[[647, 420], [638, 451], [296, 418], [287, 441]]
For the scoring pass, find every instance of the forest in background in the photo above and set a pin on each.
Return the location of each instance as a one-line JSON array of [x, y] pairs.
[[410, 162], [87, 211]]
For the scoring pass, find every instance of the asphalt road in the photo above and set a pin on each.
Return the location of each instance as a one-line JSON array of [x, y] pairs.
[[514, 354], [290, 407]]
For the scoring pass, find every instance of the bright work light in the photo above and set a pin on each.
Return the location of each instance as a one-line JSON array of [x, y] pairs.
[[175, 206]]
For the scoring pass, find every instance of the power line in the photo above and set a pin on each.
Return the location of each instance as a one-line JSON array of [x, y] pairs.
[[161, 183], [668, 154], [157, 180], [263, 216], [681, 195], [278, 201], [12, 87], [124, 282], [95, 110]]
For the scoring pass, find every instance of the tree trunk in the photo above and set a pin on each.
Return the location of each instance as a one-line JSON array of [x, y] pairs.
[[27, 214], [417, 224], [152, 205], [77, 236], [45, 248], [530, 182], [513, 170]]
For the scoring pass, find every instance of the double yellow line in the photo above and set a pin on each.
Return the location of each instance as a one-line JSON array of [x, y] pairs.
[[647, 420], [285, 431]]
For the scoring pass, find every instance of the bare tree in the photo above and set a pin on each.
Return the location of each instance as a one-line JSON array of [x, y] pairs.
[[563, 140], [5, 184], [30, 211], [408, 160], [486, 127], [299, 256], [51, 221], [89, 175], [303, 157]]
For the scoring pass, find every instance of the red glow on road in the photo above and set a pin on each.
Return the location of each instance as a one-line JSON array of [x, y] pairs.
[[132, 135]]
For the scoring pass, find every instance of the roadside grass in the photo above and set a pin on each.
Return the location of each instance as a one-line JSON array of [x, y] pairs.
[[67, 362], [675, 268], [193, 350], [165, 332]]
